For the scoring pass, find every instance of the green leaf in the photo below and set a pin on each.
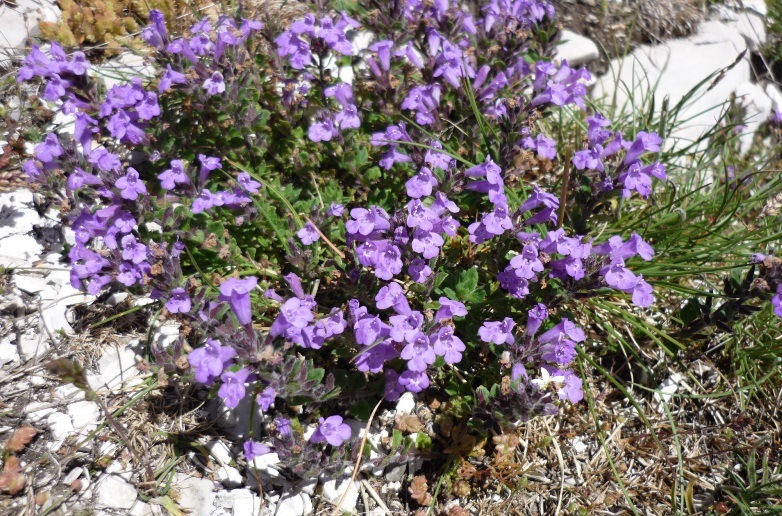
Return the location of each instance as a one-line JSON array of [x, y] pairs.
[[468, 282]]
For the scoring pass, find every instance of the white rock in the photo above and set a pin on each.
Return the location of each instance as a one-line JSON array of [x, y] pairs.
[[675, 67], [117, 367], [576, 49], [236, 421], [757, 108], [18, 206], [31, 345], [578, 445], [265, 464], [196, 495], [775, 95], [334, 489], [19, 250], [19, 21], [8, 352], [405, 404], [229, 476], [294, 505], [37, 411], [55, 320], [219, 450], [666, 389], [115, 493], [122, 69], [166, 334], [239, 501], [752, 27], [83, 414], [141, 508], [31, 284], [60, 425]]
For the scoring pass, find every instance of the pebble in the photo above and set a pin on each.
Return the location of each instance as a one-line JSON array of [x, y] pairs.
[[265, 465], [31, 345], [8, 352], [115, 493], [576, 49], [196, 495], [239, 501], [294, 505], [84, 414], [334, 489], [60, 424], [405, 404]]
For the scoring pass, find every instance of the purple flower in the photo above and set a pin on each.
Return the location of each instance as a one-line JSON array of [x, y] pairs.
[[393, 389], [247, 182], [133, 250], [419, 270], [210, 360], [644, 142], [336, 210], [169, 78], [332, 430], [572, 388], [295, 312], [49, 149], [392, 295], [104, 160], [419, 353], [206, 200], [178, 302], [405, 327], [148, 108], [421, 184], [283, 426], [383, 49], [79, 178], [535, 318], [254, 449], [130, 185], [173, 176], [266, 398], [214, 84], [414, 381], [233, 390], [308, 235], [449, 309], [498, 332], [776, 301], [619, 277], [237, 292], [323, 131], [448, 345]]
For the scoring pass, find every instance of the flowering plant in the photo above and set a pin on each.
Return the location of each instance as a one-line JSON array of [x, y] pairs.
[[338, 225]]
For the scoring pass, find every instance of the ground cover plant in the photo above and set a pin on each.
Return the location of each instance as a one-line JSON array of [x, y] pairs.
[[441, 213]]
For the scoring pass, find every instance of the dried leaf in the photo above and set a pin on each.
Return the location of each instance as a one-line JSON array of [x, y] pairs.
[[20, 439], [11, 479], [408, 423], [419, 490]]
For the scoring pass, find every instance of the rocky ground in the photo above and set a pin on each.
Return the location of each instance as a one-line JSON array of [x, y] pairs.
[[78, 453]]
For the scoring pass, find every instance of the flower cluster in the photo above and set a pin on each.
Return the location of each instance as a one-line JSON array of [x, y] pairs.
[[453, 265]]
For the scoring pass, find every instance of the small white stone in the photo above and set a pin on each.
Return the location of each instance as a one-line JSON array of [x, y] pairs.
[[294, 505], [37, 411], [115, 493], [265, 464], [55, 320], [196, 495], [219, 450], [752, 27], [240, 501], [576, 49], [405, 404], [31, 284], [229, 476], [60, 425], [8, 352], [19, 251], [333, 490], [83, 414], [166, 334], [579, 446], [141, 508], [117, 367], [31, 345], [73, 475]]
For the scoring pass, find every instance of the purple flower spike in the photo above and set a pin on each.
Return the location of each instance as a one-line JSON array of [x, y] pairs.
[[210, 361], [233, 389], [237, 293], [332, 430], [254, 449], [178, 302]]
